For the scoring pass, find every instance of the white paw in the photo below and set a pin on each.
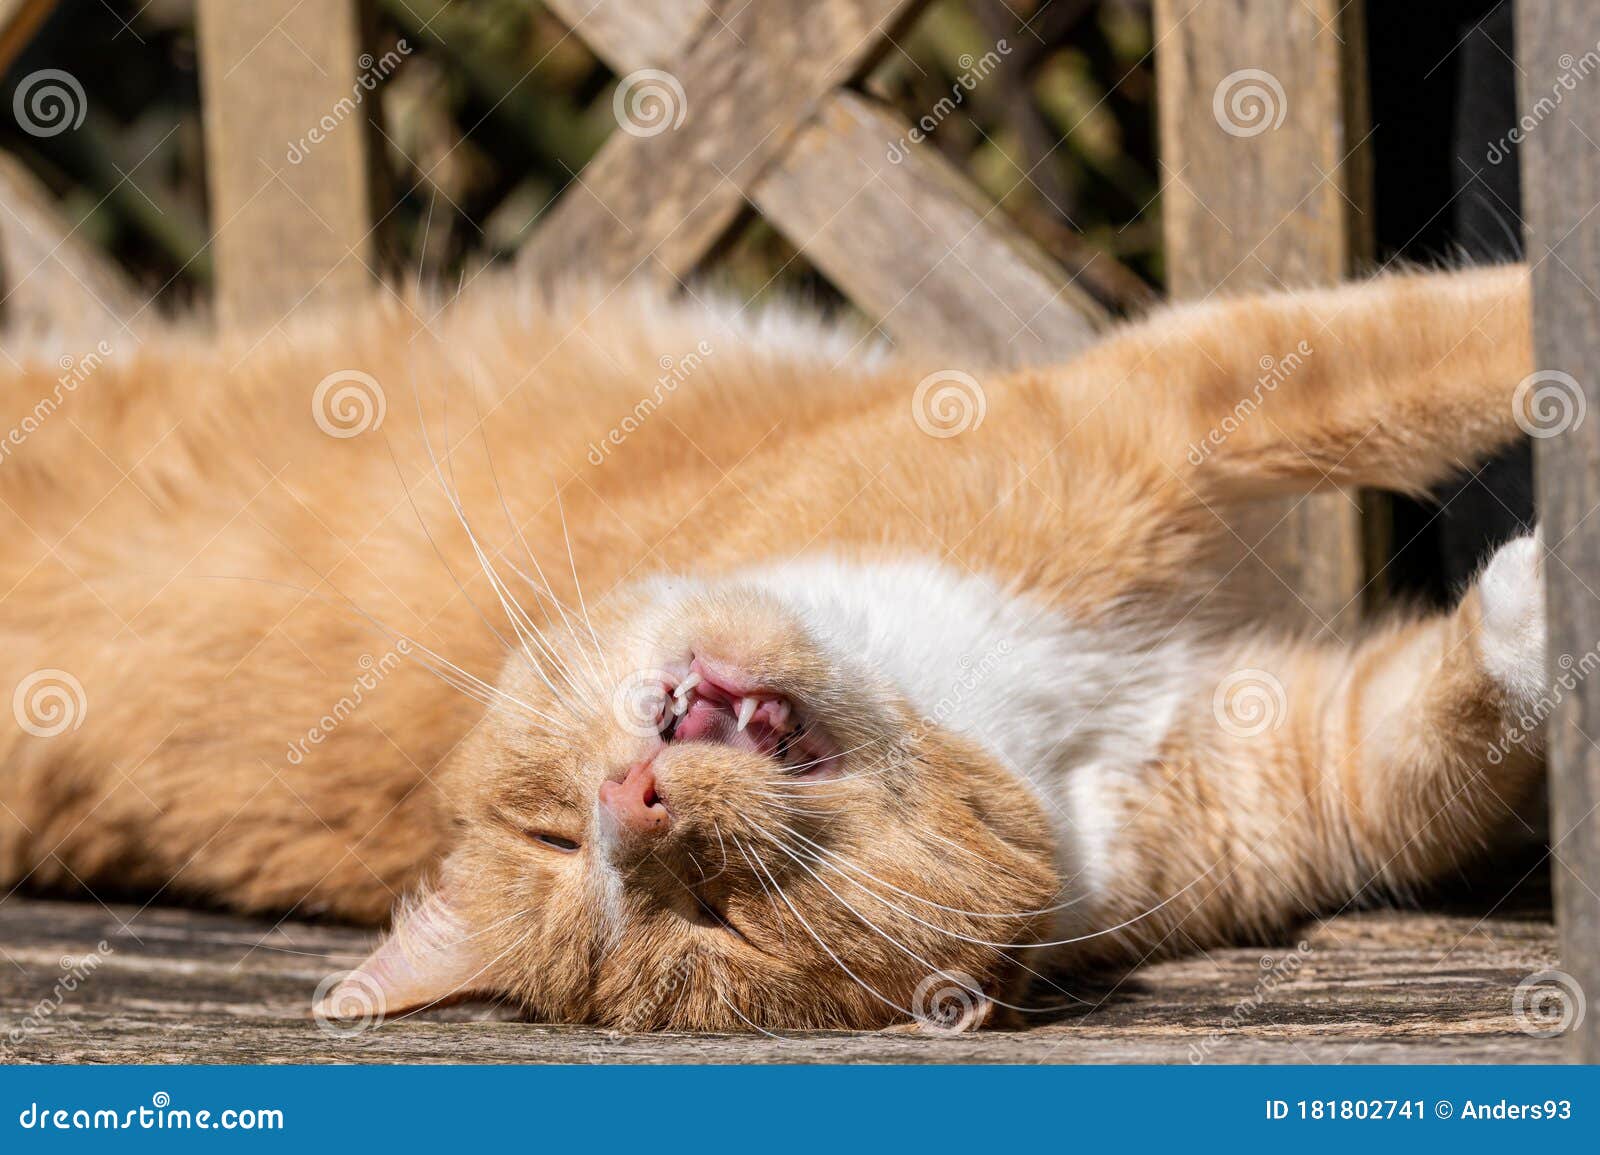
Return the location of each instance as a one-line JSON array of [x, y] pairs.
[[1512, 639]]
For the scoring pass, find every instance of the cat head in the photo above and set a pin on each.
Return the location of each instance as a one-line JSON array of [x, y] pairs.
[[697, 813]]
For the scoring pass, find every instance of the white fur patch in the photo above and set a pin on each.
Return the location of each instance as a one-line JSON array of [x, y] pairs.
[[1065, 707], [1512, 639]]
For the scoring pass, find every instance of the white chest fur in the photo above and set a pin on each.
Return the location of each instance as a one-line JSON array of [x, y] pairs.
[[1065, 707]]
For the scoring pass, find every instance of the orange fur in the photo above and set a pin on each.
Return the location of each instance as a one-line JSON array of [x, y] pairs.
[[219, 574]]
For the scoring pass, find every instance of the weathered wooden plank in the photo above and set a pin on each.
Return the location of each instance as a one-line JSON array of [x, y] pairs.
[[1383, 986], [51, 277], [633, 34], [908, 239], [1561, 192], [1262, 117], [286, 143], [666, 188]]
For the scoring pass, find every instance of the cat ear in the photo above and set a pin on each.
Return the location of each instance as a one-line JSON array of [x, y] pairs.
[[429, 958]]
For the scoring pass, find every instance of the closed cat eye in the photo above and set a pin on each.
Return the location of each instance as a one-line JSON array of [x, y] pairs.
[[554, 841]]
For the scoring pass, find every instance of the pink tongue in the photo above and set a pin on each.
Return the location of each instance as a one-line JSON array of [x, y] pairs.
[[704, 722], [708, 720]]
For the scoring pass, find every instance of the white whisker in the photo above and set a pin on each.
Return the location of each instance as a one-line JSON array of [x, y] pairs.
[[928, 901], [840, 963], [578, 586], [454, 500], [902, 947], [783, 931]]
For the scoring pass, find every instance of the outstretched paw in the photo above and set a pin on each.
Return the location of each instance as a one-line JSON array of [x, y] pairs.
[[1512, 637]]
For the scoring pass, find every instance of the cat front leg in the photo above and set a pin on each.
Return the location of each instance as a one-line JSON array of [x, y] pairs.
[[1393, 383], [1305, 776], [1397, 384]]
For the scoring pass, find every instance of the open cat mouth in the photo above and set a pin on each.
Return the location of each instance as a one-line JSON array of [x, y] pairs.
[[714, 703]]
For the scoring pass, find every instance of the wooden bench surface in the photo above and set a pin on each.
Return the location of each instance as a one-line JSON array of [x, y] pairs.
[[1373, 986]]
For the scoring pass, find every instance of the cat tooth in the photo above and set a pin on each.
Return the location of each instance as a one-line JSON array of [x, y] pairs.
[[747, 710], [683, 696]]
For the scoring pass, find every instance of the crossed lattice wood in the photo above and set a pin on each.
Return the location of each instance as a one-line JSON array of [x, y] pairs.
[[769, 122]]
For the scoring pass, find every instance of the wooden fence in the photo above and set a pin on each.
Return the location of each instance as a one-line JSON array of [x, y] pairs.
[[1561, 187], [766, 112]]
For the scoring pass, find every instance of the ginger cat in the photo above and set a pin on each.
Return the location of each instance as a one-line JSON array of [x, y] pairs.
[[693, 671]]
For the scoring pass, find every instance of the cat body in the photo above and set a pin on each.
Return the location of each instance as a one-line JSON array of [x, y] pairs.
[[689, 669]]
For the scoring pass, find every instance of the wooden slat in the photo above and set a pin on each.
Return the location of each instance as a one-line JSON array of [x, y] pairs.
[[910, 242], [659, 202], [1270, 203], [1561, 193], [915, 246], [51, 276], [287, 235], [633, 34], [1380, 986]]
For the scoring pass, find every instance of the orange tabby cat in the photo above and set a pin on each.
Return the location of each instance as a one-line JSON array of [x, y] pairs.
[[695, 671]]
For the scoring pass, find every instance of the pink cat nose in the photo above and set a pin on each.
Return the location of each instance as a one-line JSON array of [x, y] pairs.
[[634, 803]]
